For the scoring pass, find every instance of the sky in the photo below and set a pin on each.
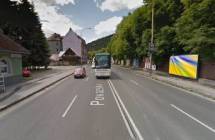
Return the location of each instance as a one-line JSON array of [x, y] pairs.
[[91, 19]]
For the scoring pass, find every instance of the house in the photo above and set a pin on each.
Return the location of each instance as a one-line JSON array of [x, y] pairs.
[[69, 57], [55, 43], [77, 44], [11, 59]]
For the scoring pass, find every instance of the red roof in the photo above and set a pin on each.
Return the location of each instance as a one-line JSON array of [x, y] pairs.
[[8, 45]]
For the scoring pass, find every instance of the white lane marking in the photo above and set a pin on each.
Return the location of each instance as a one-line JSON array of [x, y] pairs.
[[193, 118], [99, 96], [70, 105], [122, 108], [134, 82], [122, 114]]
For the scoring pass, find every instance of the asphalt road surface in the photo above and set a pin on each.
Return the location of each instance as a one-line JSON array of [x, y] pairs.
[[127, 106]]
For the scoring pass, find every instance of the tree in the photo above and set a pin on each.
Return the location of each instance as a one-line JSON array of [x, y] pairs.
[[181, 27], [21, 23], [196, 28], [134, 32]]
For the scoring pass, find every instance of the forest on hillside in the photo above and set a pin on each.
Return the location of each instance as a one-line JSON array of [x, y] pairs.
[[99, 45]]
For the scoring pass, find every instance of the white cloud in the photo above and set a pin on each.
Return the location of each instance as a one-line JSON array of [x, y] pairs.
[[108, 26], [52, 20], [60, 2], [116, 5], [64, 2], [102, 29]]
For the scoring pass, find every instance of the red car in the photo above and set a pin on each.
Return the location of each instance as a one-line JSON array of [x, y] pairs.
[[80, 72], [26, 72]]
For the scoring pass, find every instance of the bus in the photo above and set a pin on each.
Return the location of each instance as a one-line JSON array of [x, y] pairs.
[[102, 65]]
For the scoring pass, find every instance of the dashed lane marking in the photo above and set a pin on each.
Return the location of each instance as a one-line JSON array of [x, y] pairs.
[[69, 107]]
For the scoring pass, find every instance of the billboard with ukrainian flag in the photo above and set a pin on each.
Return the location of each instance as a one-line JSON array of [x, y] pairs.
[[184, 65]]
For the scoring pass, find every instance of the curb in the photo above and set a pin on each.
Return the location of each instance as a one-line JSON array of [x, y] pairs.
[[11, 93], [33, 93]]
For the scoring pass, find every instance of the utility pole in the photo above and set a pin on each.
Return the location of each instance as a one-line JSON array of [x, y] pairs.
[[152, 36]]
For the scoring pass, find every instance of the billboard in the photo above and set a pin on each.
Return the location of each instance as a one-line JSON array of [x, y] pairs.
[[184, 65]]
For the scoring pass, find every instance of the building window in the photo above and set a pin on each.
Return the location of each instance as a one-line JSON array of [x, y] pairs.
[[4, 67]]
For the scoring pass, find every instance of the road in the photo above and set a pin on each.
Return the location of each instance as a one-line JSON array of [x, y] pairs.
[[128, 106]]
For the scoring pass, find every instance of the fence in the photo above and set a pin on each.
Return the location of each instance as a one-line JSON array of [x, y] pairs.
[[206, 69], [2, 83]]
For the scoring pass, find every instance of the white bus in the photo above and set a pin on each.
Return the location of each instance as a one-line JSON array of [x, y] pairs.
[[102, 65]]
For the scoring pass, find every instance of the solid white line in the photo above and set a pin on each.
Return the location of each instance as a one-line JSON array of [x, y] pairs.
[[121, 112], [134, 82], [193, 118], [138, 134], [70, 105]]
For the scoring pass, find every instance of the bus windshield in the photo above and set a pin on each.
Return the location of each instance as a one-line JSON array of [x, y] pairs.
[[102, 61]]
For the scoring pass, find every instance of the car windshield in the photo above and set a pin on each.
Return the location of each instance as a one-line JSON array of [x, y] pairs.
[[107, 69]]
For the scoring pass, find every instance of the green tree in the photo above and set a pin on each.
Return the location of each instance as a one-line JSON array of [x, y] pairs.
[[196, 28], [181, 26], [20, 22]]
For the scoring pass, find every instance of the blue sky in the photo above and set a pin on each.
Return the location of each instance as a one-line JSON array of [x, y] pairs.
[[101, 16]]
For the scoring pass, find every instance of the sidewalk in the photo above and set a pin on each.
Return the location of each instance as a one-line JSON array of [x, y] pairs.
[[193, 86], [19, 92]]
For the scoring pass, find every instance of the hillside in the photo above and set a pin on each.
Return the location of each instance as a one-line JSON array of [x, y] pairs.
[[99, 44]]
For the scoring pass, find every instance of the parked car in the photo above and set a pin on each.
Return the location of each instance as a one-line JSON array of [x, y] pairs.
[[80, 72], [26, 72]]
